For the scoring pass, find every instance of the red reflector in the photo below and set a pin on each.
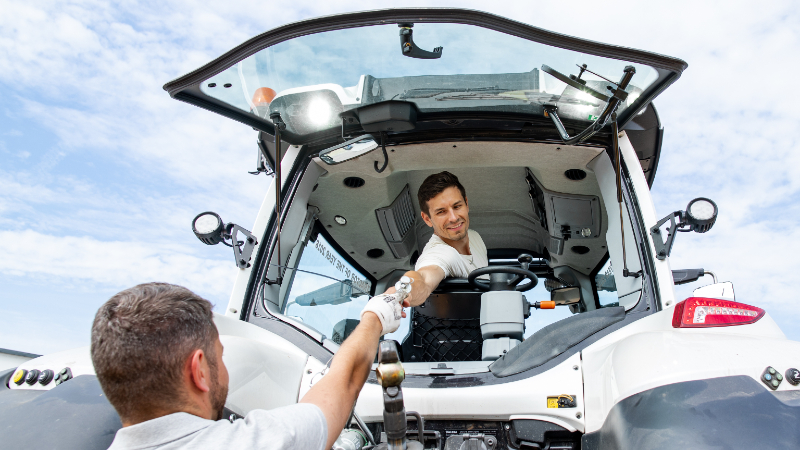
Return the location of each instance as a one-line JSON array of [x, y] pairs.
[[699, 312]]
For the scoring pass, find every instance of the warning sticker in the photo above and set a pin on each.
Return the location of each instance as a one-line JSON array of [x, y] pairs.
[[561, 401]]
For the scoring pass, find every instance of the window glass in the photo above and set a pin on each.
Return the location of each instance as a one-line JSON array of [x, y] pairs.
[[326, 292], [312, 78], [606, 286]]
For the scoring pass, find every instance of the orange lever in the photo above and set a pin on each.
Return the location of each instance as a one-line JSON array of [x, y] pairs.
[[547, 304]]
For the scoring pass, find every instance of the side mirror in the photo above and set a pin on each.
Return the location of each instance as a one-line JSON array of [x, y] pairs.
[[717, 290], [700, 216], [566, 295]]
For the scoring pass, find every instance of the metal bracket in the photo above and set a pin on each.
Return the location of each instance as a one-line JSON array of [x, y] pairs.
[[664, 248], [242, 255]]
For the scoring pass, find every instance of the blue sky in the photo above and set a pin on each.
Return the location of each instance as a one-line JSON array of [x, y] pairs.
[[101, 172]]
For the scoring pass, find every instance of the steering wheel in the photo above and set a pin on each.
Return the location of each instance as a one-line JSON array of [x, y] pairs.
[[501, 283]]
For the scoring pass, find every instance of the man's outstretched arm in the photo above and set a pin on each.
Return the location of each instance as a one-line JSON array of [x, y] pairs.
[[426, 279], [336, 393]]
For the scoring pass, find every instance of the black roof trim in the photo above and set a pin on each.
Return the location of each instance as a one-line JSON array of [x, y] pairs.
[[419, 15]]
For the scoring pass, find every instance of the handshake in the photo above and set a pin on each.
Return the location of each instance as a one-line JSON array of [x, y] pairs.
[[389, 307]]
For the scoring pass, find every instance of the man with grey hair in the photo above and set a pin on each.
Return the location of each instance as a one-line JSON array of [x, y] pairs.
[[158, 358]]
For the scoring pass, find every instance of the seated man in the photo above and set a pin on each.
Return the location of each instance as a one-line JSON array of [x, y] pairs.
[[454, 250], [158, 358]]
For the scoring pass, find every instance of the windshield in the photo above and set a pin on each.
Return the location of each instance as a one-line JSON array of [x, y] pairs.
[[313, 78]]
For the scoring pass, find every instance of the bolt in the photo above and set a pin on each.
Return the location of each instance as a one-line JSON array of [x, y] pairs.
[[308, 371], [574, 367], [656, 231], [490, 441], [508, 426], [578, 415], [662, 253]]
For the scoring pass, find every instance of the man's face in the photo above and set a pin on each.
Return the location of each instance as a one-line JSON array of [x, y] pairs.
[[219, 380], [449, 215]]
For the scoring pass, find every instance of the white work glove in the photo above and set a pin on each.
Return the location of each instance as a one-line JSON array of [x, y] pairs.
[[388, 309]]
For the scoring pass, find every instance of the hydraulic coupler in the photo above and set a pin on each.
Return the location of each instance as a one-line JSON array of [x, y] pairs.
[[391, 375]]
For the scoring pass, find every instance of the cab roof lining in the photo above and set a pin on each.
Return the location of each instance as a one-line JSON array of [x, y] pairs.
[[500, 207]]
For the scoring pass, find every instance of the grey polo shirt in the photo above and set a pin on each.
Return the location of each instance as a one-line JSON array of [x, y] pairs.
[[300, 426]]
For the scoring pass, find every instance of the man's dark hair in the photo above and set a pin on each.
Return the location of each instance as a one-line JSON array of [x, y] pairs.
[[435, 185], [141, 339]]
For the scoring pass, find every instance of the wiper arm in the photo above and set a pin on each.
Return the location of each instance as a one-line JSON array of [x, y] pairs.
[[618, 95]]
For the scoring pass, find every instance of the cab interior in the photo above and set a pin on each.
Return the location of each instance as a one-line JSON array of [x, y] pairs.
[[351, 232]]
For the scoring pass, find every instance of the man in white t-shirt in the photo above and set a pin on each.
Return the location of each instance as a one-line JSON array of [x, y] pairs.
[[454, 250], [158, 357]]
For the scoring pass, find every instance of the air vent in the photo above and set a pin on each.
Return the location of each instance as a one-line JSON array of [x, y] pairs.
[[356, 182], [375, 253], [397, 224], [575, 174], [580, 249]]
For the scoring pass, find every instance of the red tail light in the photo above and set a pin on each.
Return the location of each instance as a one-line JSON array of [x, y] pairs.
[[699, 312]]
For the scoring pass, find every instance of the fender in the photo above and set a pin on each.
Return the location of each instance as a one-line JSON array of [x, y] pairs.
[[728, 412]]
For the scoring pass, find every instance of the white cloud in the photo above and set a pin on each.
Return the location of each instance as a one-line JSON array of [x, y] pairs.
[[118, 264]]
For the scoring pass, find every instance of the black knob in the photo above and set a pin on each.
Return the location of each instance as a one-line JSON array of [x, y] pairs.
[[525, 260], [32, 376], [46, 377], [793, 376]]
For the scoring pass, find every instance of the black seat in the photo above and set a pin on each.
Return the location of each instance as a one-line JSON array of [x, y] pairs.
[[445, 328]]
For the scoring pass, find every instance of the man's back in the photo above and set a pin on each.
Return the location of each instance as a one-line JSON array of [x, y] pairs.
[[300, 426]]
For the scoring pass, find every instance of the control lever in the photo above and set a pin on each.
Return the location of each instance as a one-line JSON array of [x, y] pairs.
[[390, 375]]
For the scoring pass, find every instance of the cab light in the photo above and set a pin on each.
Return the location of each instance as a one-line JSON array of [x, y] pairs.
[[700, 312], [263, 96]]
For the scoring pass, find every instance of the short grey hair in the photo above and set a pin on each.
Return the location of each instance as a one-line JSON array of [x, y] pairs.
[[141, 339]]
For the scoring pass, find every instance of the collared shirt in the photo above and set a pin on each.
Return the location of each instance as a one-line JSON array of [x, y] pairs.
[[300, 426], [438, 253]]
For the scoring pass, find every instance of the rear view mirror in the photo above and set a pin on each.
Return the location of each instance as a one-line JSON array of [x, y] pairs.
[[566, 295], [717, 290]]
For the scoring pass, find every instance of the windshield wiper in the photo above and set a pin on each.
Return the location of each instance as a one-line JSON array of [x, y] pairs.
[[479, 96], [618, 95], [432, 92]]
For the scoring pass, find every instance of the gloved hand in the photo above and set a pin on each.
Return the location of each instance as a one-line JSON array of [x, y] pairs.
[[388, 309]]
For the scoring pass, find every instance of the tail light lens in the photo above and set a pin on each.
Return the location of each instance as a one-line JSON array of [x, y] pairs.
[[699, 312]]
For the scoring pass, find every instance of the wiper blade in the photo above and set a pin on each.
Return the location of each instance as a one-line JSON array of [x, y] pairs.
[[477, 96], [575, 82], [432, 92]]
